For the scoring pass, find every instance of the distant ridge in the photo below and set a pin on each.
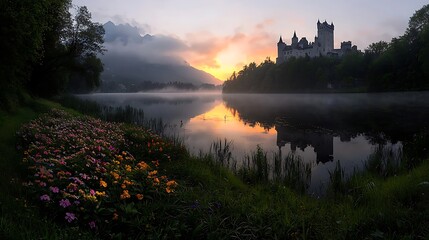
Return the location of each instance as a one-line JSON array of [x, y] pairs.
[[134, 58]]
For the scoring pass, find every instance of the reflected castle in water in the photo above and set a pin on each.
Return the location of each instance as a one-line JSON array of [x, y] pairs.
[[323, 143]]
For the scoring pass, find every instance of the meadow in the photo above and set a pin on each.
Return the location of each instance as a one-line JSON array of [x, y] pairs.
[[69, 175]]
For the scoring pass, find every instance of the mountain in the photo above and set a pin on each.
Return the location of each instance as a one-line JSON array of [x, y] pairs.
[[133, 58]]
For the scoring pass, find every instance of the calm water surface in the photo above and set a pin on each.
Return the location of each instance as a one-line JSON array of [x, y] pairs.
[[320, 128]]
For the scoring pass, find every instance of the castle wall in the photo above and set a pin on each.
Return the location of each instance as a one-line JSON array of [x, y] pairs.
[[323, 45]]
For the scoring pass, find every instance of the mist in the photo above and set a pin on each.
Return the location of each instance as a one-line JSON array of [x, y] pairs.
[[134, 57]]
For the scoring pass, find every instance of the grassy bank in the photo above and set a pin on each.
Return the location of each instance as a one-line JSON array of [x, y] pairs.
[[209, 202], [20, 219]]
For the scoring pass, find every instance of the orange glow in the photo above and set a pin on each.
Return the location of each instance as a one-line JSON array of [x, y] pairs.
[[230, 61], [221, 56], [223, 121]]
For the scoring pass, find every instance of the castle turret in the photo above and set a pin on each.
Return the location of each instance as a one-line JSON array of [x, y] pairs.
[[280, 47], [325, 36], [294, 40]]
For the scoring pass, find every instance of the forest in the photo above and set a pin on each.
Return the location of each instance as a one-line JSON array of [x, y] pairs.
[[399, 65], [47, 49]]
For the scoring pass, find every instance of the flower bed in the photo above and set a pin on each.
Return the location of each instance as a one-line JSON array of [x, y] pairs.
[[81, 173]]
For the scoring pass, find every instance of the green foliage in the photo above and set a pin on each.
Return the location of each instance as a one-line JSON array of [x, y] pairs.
[[70, 61], [43, 49]]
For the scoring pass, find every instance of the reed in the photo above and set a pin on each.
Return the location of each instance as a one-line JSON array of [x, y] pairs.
[[124, 114]]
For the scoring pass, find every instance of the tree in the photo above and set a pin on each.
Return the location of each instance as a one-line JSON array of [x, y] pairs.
[[377, 48], [83, 37], [70, 60], [419, 20], [26, 28]]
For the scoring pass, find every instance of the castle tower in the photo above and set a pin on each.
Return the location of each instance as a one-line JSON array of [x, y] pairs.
[[280, 46], [325, 36], [294, 40]]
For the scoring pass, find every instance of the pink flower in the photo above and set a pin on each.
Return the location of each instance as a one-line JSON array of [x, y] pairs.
[[92, 224], [54, 189], [70, 217], [92, 192], [45, 198], [64, 203]]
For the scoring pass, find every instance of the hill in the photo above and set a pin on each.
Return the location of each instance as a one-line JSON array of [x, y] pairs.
[[133, 59]]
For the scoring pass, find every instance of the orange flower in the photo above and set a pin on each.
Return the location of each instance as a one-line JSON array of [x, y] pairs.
[[115, 175], [171, 183], [170, 186], [125, 195], [103, 183], [143, 166], [152, 173], [115, 216], [128, 168], [128, 182], [139, 196]]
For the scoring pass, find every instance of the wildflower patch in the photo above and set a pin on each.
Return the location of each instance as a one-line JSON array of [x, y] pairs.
[[80, 172]]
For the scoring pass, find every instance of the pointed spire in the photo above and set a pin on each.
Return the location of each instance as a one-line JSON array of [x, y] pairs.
[[294, 34], [318, 21], [280, 40]]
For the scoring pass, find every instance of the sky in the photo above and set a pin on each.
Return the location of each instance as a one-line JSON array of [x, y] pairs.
[[221, 36]]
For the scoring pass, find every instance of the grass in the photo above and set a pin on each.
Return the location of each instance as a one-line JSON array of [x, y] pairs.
[[20, 219], [213, 202]]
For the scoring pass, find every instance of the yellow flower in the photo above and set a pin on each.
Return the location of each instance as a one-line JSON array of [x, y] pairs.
[[103, 183], [125, 194], [139, 196], [91, 198], [128, 168], [102, 194]]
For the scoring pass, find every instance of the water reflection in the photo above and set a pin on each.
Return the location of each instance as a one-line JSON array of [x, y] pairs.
[[320, 129], [322, 143]]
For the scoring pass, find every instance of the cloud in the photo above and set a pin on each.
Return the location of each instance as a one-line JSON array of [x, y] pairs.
[[203, 49]]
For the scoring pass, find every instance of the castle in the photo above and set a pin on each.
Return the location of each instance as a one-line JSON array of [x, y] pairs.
[[323, 45]]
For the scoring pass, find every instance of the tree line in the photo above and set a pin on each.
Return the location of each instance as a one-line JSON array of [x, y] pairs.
[[47, 47], [399, 65]]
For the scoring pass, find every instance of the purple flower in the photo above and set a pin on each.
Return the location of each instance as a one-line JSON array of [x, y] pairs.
[[64, 203], [92, 192], [70, 217], [54, 189], [76, 202], [45, 198], [92, 224]]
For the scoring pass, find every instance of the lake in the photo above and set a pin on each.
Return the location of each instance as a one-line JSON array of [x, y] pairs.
[[321, 129]]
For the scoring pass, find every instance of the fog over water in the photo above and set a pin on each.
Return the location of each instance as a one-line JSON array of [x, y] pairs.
[[320, 128]]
